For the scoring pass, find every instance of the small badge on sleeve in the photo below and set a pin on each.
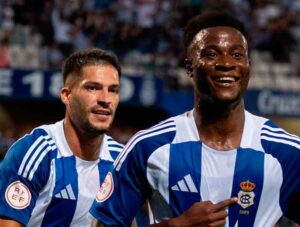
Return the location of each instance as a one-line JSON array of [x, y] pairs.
[[17, 195], [106, 188]]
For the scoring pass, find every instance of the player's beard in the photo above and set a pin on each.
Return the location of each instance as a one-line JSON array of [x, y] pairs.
[[85, 125], [94, 131]]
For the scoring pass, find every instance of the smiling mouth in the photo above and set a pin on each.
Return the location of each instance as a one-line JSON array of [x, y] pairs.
[[225, 79]]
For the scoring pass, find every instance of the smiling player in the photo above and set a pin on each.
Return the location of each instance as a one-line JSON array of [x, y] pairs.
[[216, 165]]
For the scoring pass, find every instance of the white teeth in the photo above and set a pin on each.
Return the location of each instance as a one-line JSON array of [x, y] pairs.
[[226, 79]]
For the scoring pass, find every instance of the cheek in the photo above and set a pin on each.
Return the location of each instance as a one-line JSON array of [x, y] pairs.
[[116, 102], [202, 67]]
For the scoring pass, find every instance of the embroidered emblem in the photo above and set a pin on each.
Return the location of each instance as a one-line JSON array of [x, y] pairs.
[[106, 188], [246, 195], [17, 195]]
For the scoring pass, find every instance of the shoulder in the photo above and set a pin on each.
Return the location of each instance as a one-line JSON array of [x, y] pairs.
[[272, 139], [144, 142], [156, 136], [28, 152], [276, 138], [114, 147]]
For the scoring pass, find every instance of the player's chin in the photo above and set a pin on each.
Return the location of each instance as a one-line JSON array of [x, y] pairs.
[[102, 126]]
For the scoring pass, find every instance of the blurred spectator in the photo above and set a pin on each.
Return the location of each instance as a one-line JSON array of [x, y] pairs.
[[62, 31], [54, 56], [144, 30], [4, 52], [279, 41]]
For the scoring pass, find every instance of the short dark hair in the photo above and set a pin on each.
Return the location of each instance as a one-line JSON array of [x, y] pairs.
[[210, 19], [93, 56]]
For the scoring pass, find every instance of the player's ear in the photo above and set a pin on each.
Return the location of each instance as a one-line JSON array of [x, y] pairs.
[[188, 67], [65, 93]]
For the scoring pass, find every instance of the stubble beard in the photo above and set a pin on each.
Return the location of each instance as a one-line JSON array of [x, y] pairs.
[[92, 130]]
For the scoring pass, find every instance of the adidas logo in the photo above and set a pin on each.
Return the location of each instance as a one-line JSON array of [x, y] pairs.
[[185, 185], [66, 193]]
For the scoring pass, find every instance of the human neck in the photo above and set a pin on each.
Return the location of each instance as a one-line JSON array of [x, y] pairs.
[[220, 129], [83, 145]]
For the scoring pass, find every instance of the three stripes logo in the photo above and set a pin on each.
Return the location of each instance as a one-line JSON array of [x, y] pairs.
[[66, 193], [35, 155], [185, 185]]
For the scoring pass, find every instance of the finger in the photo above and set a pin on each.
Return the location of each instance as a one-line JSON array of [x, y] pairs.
[[219, 223], [218, 216], [224, 204]]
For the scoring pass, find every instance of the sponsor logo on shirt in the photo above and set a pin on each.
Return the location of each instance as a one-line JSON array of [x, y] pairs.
[[17, 195], [106, 188], [246, 195]]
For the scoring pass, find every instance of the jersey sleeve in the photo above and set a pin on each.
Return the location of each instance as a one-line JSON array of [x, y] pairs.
[[123, 191], [23, 173], [285, 148]]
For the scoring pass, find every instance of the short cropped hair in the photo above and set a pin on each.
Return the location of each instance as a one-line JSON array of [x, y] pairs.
[[75, 62], [210, 19]]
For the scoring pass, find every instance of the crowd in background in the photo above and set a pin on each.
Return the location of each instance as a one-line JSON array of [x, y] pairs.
[[143, 33]]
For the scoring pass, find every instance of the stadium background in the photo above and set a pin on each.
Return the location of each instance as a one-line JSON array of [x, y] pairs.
[[35, 37]]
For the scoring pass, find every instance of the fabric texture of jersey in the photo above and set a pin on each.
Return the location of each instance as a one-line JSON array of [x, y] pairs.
[[43, 184], [170, 166]]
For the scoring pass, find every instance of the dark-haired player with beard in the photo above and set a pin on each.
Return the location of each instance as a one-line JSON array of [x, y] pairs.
[[216, 165], [50, 177]]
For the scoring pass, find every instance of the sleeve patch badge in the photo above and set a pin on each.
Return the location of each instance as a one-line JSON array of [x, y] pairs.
[[106, 188], [17, 195]]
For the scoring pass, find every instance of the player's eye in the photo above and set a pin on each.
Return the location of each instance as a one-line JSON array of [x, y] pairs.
[[91, 87], [114, 90]]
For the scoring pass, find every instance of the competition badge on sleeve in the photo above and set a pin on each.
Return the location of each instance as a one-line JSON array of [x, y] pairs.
[[246, 195], [17, 195], [106, 188]]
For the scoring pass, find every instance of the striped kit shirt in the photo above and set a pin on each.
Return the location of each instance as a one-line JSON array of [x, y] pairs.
[[43, 184], [170, 166]]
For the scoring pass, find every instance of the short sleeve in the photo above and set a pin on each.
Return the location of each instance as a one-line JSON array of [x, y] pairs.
[[23, 173]]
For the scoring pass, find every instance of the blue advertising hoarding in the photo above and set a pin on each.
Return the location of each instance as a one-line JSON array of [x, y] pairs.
[[143, 91]]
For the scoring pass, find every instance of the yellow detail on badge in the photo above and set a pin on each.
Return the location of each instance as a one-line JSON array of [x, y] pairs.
[[246, 195], [247, 186], [106, 188]]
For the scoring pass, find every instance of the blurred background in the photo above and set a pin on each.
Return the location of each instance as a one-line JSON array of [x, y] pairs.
[[36, 36]]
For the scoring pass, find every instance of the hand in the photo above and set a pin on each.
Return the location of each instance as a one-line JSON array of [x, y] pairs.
[[204, 214]]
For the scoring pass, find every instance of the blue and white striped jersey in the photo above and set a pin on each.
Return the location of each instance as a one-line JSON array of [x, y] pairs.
[[43, 184], [169, 165]]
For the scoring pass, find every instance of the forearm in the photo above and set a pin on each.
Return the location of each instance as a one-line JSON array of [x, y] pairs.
[[173, 222], [9, 223]]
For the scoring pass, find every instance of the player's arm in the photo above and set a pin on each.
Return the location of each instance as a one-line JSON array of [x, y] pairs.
[[9, 223], [201, 213], [22, 179]]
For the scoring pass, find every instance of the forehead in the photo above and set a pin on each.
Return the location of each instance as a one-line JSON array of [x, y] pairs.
[[100, 73], [220, 35]]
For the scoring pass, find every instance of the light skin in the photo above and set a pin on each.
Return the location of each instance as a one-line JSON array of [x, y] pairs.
[[217, 61], [91, 102]]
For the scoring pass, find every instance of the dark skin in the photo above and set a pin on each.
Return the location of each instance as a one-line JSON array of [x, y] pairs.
[[219, 66], [217, 60]]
